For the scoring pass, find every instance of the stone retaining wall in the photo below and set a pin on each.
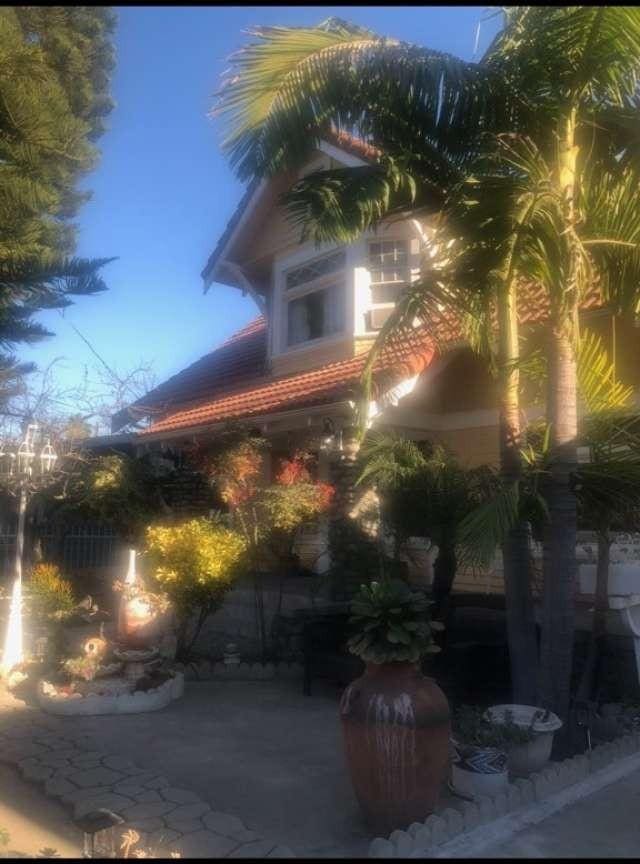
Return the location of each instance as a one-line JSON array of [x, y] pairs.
[[422, 838]]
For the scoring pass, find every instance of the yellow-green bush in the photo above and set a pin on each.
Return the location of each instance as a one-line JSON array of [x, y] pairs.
[[194, 563], [51, 594]]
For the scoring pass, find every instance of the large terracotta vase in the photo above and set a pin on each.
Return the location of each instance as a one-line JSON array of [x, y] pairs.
[[396, 727]]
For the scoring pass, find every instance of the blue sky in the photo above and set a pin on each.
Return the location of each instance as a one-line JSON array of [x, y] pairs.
[[163, 192]]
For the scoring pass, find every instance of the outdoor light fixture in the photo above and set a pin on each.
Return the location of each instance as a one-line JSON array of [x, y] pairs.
[[25, 467], [99, 832]]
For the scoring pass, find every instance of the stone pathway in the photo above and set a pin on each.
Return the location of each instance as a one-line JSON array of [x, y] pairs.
[[45, 749]]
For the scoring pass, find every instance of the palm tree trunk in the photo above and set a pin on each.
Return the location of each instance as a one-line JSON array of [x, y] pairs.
[[521, 632], [560, 564], [560, 540], [589, 678]]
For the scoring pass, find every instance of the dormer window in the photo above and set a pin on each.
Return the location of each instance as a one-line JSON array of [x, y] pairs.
[[314, 299], [389, 273]]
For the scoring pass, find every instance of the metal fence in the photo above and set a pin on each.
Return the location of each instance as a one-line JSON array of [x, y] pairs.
[[80, 546]]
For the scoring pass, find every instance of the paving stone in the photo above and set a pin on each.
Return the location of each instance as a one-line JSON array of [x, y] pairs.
[[156, 782], [108, 800], [163, 837], [86, 762], [184, 826], [179, 796], [205, 844], [37, 772], [147, 796], [66, 771], [58, 787], [223, 823], [90, 754], [130, 789], [191, 811], [146, 825], [149, 811], [259, 849], [118, 763], [54, 761], [283, 852], [95, 777]]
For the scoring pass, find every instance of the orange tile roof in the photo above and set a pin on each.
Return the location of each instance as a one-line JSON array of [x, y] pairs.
[[234, 374], [326, 384]]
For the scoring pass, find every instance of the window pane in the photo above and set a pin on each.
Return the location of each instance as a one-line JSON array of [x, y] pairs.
[[314, 269], [387, 292], [315, 315]]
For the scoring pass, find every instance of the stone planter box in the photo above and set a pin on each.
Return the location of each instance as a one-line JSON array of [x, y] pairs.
[[138, 702]]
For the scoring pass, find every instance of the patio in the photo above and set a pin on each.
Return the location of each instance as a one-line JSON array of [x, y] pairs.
[[260, 751]]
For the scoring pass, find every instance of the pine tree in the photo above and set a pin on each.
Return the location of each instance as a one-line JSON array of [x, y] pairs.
[[55, 65]]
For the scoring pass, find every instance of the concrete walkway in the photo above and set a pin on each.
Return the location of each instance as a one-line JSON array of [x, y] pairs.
[[55, 752], [33, 821], [604, 825]]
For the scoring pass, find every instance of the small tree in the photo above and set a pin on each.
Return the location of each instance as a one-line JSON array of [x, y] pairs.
[[425, 492], [268, 516], [194, 563]]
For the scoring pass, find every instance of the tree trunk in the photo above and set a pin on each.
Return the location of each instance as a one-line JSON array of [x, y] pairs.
[[560, 536], [521, 631], [562, 412], [589, 678], [444, 572]]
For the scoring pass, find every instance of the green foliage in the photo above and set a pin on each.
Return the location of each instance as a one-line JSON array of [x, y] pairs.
[[193, 562], [123, 491], [52, 595], [55, 65], [470, 727], [392, 623]]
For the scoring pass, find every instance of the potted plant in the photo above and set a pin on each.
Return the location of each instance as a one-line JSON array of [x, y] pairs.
[[395, 721], [480, 748], [540, 725]]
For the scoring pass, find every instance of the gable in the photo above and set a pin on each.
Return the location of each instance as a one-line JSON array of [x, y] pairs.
[[259, 226]]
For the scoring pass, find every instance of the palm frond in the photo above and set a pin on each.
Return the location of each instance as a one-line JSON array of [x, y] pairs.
[[486, 527]]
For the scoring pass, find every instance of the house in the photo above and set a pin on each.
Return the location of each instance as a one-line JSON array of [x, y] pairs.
[[294, 372]]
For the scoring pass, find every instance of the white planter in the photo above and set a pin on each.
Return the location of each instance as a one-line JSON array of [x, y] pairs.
[[477, 771], [525, 759]]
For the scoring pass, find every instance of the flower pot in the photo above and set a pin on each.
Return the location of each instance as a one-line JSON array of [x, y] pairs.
[[477, 771], [396, 729], [525, 759]]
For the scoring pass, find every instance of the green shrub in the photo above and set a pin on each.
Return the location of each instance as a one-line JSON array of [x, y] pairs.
[[392, 623], [52, 595]]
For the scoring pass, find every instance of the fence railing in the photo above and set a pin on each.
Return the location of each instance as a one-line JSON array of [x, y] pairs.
[[78, 547]]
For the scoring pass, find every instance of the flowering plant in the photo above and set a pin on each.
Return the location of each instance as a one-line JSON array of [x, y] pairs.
[[194, 563]]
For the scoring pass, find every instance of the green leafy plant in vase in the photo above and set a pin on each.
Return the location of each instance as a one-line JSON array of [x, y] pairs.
[[395, 720]]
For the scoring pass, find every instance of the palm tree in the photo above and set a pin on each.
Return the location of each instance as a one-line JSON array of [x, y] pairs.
[[563, 81], [425, 492], [607, 485]]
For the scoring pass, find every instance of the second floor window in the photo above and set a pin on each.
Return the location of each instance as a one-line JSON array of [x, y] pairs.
[[314, 299], [389, 270]]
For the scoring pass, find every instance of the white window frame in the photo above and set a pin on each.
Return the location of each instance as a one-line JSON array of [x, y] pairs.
[[284, 266], [406, 241]]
